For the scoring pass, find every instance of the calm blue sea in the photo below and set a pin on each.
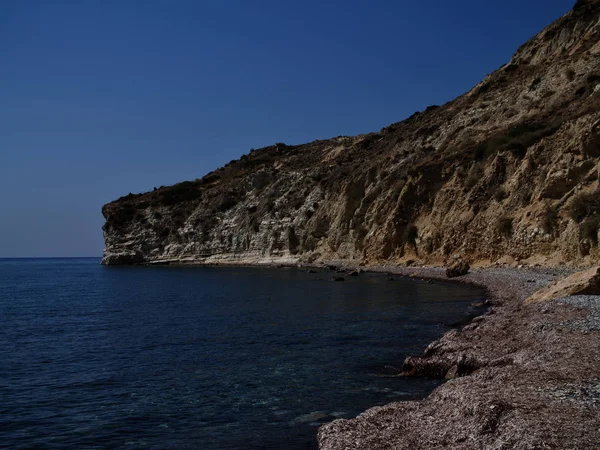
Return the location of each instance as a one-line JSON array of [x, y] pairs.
[[203, 358]]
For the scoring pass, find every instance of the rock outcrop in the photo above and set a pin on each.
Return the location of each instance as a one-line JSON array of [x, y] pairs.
[[580, 283], [458, 269], [510, 168]]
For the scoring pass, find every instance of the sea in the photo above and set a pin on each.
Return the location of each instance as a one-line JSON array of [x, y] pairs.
[[95, 357]]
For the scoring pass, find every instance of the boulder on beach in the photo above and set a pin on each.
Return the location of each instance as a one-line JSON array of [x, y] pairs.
[[458, 269], [580, 283]]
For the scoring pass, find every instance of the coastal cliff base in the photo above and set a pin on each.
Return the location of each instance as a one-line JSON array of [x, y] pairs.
[[525, 375]]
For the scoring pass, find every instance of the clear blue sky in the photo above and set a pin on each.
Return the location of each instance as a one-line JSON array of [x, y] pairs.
[[102, 98]]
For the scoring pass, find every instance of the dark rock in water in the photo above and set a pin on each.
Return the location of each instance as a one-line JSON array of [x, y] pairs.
[[338, 279], [354, 273], [311, 271], [332, 267], [458, 269], [391, 279]]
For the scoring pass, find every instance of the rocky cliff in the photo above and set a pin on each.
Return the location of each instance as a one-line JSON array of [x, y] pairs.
[[509, 169]]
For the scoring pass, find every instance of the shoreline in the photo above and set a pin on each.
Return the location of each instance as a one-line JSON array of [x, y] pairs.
[[519, 375]]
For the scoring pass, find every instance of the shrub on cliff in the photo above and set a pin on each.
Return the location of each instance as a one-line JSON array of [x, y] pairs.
[[180, 192], [589, 230], [500, 194], [411, 233], [517, 139], [227, 202], [129, 196], [475, 174], [583, 205], [120, 216], [549, 220], [593, 78], [504, 226]]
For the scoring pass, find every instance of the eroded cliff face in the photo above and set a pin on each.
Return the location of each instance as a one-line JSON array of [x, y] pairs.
[[509, 169]]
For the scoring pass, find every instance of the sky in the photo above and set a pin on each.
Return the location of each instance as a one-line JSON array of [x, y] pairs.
[[102, 98]]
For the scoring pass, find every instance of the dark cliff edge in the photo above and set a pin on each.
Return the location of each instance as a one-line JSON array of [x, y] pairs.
[[508, 169]]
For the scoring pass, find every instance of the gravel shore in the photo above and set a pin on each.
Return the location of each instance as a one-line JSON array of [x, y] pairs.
[[590, 305], [524, 376]]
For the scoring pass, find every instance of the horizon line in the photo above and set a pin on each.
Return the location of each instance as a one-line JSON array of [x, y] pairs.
[[49, 257]]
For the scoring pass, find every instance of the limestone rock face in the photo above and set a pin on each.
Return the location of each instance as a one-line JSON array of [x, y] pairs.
[[580, 283], [500, 171]]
